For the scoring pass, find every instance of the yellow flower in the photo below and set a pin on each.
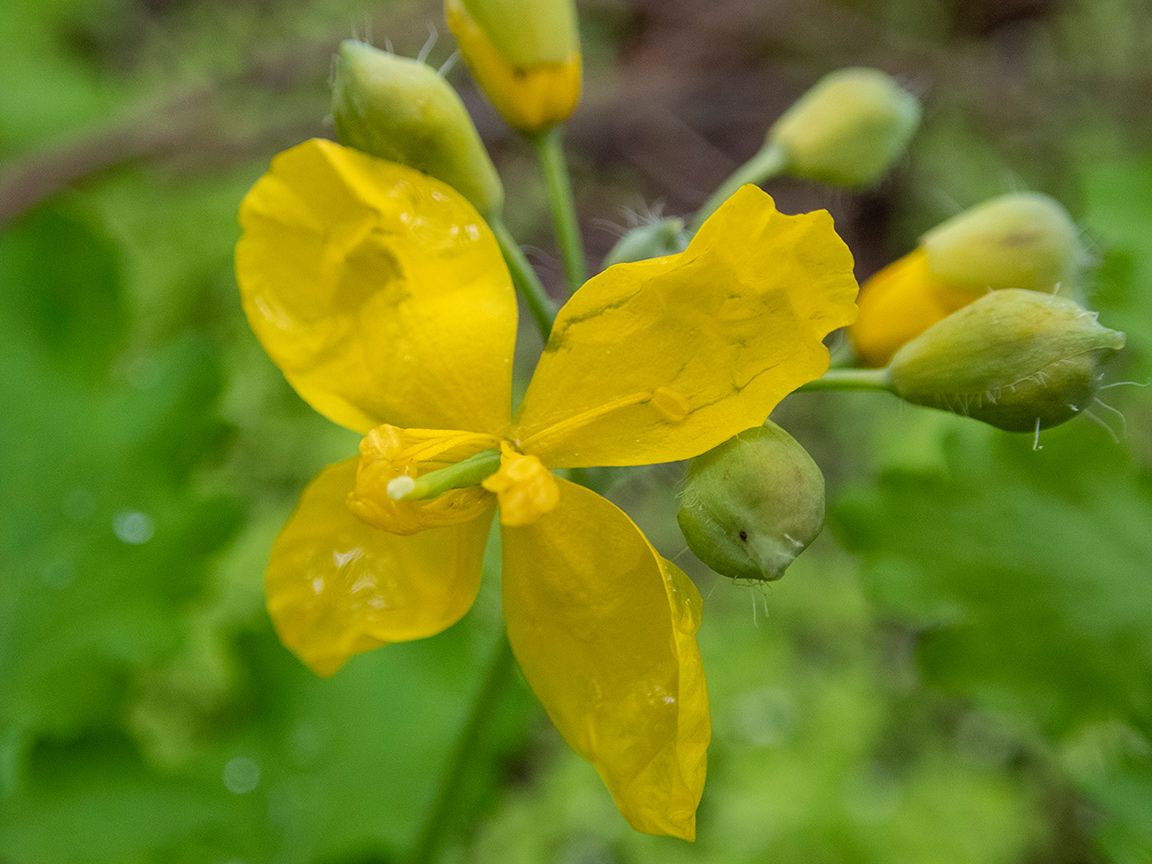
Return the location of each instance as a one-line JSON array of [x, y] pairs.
[[383, 297]]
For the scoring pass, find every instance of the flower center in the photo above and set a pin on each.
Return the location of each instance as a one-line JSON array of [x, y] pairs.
[[397, 464], [409, 480]]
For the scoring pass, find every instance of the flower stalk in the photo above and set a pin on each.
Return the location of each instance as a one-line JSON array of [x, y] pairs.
[[484, 708], [550, 150], [850, 379], [770, 161], [540, 305]]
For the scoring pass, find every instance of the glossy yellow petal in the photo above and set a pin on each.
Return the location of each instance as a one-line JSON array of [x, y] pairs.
[[337, 587], [379, 292], [604, 629], [898, 304], [664, 359], [387, 453]]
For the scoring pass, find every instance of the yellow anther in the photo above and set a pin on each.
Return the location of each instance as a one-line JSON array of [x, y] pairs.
[[525, 489]]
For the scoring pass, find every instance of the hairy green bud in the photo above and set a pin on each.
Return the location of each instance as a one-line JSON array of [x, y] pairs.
[[1019, 360], [655, 239], [849, 129], [1023, 240], [404, 111], [752, 504]]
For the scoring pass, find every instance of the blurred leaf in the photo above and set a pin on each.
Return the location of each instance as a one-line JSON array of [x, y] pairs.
[[103, 541], [1028, 569], [62, 289], [1027, 574], [1118, 209], [301, 769]]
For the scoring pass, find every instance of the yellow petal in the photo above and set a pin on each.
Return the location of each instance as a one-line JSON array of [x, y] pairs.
[[337, 587], [379, 292], [898, 304], [664, 359], [604, 629]]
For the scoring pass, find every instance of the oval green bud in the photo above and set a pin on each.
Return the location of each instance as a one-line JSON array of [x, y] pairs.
[[404, 111], [1023, 240], [849, 129], [1016, 359], [752, 504], [655, 239]]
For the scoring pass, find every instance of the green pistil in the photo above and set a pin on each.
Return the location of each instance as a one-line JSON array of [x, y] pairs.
[[471, 472]]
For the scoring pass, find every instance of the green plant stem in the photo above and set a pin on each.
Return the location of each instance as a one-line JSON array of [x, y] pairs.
[[767, 163], [440, 814], [850, 379], [540, 305], [550, 150]]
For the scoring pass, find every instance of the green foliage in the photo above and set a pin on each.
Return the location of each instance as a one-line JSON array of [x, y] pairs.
[[1025, 575]]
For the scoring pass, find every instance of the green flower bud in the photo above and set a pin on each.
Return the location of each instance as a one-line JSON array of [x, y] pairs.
[[404, 111], [652, 240], [751, 505], [1019, 360], [848, 130], [1023, 240]]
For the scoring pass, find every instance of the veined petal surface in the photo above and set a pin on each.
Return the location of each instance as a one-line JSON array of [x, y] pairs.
[[663, 359], [337, 586], [379, 291], [604, 629]]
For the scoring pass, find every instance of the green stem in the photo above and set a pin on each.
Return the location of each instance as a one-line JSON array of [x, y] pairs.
[[440, 814], [850, 379], [540, 305], [550, 150], [767, 163]]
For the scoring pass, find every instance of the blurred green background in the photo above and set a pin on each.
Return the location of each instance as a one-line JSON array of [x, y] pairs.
[[960, 670]]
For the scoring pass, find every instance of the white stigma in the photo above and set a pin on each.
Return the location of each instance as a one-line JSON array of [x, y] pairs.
[[400, 486]]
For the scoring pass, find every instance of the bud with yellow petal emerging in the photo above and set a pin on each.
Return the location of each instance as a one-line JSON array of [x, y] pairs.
[[404, 111], [752, 504], [1021, 240], [847, 130], [898, 304], [524, 54], [1019, 360]]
